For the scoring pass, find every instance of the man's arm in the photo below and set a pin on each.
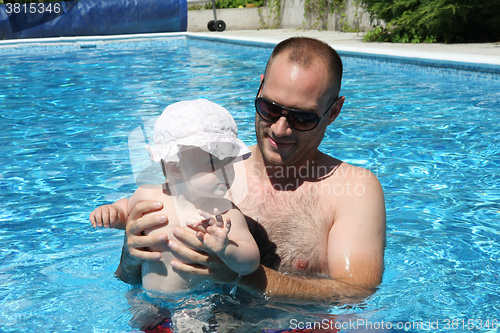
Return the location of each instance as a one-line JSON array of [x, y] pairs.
[[356, 241], [264, 281], [129, 269], [272, 284]]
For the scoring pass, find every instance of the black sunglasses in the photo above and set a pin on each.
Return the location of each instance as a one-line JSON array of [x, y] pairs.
[[297, 119]]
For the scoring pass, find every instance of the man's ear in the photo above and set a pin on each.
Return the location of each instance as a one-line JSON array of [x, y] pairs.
[[171, 169], [336, 107]]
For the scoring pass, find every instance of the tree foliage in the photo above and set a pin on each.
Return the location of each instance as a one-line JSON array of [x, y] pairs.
[[448, 21]]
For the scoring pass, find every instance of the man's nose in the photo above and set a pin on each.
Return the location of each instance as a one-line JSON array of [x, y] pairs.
[[281, 127]]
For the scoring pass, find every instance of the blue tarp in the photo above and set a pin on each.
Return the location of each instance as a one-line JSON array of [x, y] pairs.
[[91, 17]]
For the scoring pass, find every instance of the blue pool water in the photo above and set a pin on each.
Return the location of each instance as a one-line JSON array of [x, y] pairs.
[[66, 111]]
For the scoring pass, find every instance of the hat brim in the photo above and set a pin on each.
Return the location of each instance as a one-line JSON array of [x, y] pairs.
[[220, 148]]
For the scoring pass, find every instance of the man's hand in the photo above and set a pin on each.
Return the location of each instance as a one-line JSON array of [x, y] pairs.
[[194, 259], [135, 247], [139, 220], [213, 231]]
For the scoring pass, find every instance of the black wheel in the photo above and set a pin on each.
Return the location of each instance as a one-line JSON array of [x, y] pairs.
[[220, 25], [211, 25]]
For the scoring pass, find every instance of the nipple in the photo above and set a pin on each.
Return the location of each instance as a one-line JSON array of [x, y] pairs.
[[301, 264]]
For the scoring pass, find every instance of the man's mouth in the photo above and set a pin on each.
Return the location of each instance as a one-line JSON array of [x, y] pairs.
[[278, 144]]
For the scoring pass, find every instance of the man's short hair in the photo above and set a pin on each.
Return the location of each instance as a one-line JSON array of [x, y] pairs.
[[303, 51]]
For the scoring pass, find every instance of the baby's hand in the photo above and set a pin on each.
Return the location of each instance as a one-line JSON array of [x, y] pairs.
[[108, 216], [213, 231]]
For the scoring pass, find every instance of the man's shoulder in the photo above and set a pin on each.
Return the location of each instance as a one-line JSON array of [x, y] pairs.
[[346, 177], [352, 172], [354, 182], [341, 170], [355, 191]]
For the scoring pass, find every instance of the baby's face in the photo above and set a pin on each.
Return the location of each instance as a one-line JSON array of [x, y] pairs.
[[207, 175]]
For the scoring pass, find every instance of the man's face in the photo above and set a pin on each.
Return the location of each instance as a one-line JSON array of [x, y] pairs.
[[299, 88]]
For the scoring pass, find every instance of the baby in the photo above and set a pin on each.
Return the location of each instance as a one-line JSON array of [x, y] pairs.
[[196, 143]]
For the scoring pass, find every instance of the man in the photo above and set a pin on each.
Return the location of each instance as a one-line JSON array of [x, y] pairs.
[[319, 222]]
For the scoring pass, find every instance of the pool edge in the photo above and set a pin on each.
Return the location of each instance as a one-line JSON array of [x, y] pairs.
[[429, 59]]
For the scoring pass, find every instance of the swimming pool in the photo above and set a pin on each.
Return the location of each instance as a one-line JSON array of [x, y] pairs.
[[67, 109]]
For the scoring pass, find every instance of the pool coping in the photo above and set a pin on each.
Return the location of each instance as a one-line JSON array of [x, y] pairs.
[[476, 63], [469, 62]]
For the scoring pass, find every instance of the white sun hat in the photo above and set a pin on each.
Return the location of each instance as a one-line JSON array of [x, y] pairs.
[[197, 123]]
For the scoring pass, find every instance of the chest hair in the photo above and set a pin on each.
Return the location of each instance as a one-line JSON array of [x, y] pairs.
[[291, 229]]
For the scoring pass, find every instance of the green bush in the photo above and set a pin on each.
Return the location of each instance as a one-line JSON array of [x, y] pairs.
[[448, 21], [229, 4]]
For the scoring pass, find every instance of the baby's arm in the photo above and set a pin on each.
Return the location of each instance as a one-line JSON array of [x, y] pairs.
[[111, 216], [116, 214], [228, 236]]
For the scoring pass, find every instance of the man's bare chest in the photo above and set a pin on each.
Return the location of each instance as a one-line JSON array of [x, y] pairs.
[[291, 231]]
